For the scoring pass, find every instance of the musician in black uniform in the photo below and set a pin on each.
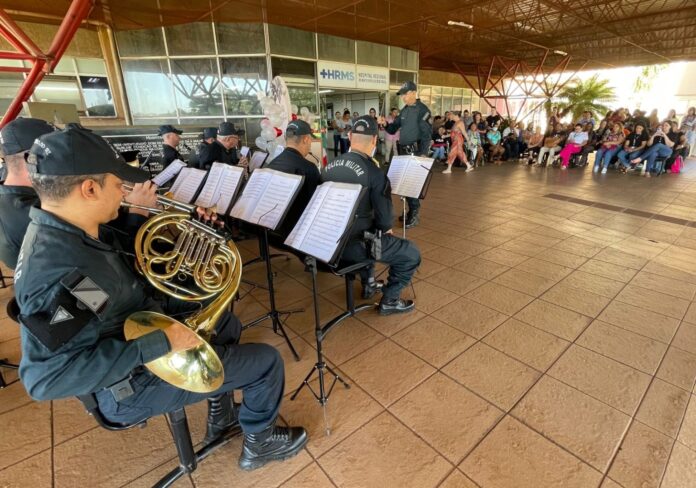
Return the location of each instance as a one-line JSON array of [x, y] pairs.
[[223, 149], [414, 138], [298, 144], [16, 194], [171, 136], [375, 216]]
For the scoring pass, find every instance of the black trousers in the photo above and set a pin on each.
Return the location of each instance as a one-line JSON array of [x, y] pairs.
[[256, 369], [402, 256], [413, 203]]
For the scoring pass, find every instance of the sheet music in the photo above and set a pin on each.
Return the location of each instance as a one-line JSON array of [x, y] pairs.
[[279, 149], [257, 160], [408, 175], [169, 172], [187, 184], [266, 197], [220, 187], [324, 221]]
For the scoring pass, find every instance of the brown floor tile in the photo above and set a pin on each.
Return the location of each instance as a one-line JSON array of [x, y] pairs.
[[303, 322], [586, 427], [578, 245], [495, 376], [458, 480], [428, 267], [455, 281], [347, 410], [522, 247], [681, 468], [337, 295], [691, 314], [653, 300], [387, 371], [13, 396], [8, 328], [389, 325], [311, 476], [150, 478], [35, 472], [593, 283], [614, 256], [514, 455], [626, 347], [556, 320], [501, 256], [429, 297], [70, 420], [26, 431], [288, 290], [669, 270], [384, 453], [678, 368], [608, 270], [562, 258], [545, 269], [500, 298], [687, 432], [528, 344], [470, 317], [641, 321], [668, 286], [524, 282], [295, 371], [642, 457], [470, 247], [482, 268], [346, 340], [580, 301], [685, 338], [428, 411], [445, 256], [663, 407], [433, 341]]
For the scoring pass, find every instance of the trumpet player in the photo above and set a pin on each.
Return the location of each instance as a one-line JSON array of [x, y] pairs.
[[75, 286]]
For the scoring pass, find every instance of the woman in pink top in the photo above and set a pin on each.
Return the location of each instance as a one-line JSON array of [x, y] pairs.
[[390, 140]]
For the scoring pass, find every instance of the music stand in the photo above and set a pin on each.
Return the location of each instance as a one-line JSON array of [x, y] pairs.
[[415, 187]]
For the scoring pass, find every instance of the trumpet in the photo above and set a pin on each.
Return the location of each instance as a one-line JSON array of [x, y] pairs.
[[166, 202]]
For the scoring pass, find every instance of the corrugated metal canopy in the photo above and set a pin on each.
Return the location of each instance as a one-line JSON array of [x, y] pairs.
[[600, 33]]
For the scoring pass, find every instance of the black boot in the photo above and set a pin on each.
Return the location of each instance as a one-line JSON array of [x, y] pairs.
[[412, 220], [274, 443], [222, 416], [395, 305], [371, 288]]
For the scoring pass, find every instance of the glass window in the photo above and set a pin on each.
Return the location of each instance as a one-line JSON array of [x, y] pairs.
[[400, 58], [9, 86], [197, 86], [397, 78], [91, 66], [155, 122], [334, 48], [425, 95], [65, 66], [291, 42], [372, 54], [59, 89], [242, 38], [300, 79], [190, 39], [144, 42], [149, 88], [242, 78], [97, 95]]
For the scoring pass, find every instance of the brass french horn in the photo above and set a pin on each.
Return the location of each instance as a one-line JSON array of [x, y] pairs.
[[190, 261]]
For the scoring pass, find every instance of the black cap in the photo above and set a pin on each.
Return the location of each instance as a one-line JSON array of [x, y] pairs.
[[130, 156], [166, 129], [406, 87], [365, 125], [19, 135], [76, 151], [227, 129], [298, 128], [209, 132]]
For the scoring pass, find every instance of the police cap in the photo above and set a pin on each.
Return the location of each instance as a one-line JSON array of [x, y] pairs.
[[166, 129], [406, 87], [19, 135], [366, 125]]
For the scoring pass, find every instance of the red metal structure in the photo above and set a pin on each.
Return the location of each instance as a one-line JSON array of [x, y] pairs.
[[42, 63]]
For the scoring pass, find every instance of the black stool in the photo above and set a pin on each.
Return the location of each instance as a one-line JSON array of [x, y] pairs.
[[178, 424]]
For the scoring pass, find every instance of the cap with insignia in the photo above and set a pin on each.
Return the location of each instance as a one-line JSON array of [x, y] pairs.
[[298, 128], [19, 135], [166, 129], [228, 129], [365, 125], [406, 87], [210, 132]]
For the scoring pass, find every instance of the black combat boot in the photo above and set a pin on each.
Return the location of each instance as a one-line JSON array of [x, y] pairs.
[[222, 416], [274, 443], [395, 305], [371, 288], [412, 219]]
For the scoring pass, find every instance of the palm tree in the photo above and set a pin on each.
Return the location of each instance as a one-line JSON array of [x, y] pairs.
[[589, 95]]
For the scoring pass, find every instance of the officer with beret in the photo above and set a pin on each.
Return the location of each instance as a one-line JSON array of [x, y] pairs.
[[223, 149], [414, 138], [171, 136], [375, 215], [16, 194], [75, 286]]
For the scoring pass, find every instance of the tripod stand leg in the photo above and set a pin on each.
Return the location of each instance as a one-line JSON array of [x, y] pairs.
[[403, 203]]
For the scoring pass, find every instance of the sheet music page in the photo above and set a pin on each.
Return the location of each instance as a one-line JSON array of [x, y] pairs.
[[169, 172], [330, 210], [273, 204], [396, 171], [413, 177], [257, 160], [231, 179], [245, 205], [187, 184], [209, 192]]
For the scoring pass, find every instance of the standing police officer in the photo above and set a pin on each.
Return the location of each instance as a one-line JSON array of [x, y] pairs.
[[223, 149], [76, 285], [16, 194], [374, 216], [171, 136], [415, 135]]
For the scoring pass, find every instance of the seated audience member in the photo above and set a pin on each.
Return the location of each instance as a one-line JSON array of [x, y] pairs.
[[467, 118], [672, 116], [473, 144], [495, 149], [534, 144], [681, 146], [574, 144], [552, 144], [438, 122], [494, 118], [512, 141], [298, 144], [79, 178], [660, 144], [634, 144], [439, 145], [688, 127], [611, 145], [587, 119], [448, 122]]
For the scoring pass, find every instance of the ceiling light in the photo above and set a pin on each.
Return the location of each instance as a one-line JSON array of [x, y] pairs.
[[562, 53], [460, 24]]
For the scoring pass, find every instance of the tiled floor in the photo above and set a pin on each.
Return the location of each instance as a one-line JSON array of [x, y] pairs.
[[553, 345]]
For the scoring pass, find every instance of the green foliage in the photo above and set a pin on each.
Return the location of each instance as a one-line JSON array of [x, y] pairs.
[[644, 81], [593, 94]]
